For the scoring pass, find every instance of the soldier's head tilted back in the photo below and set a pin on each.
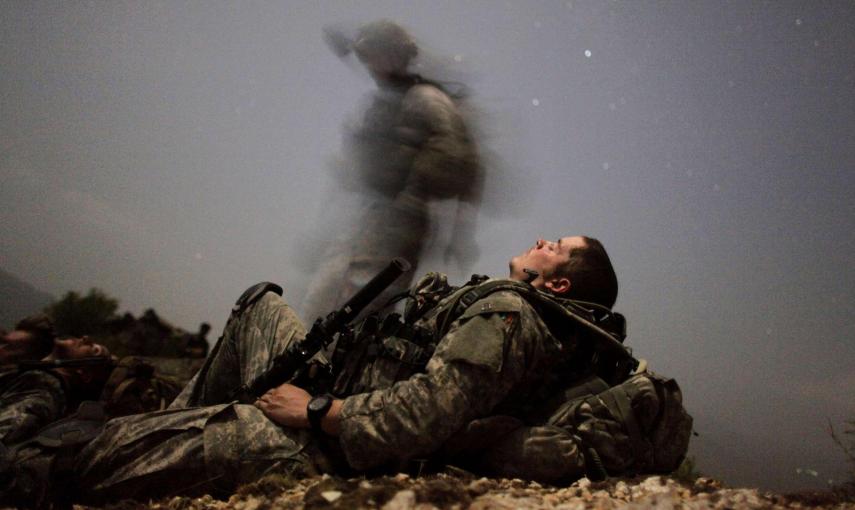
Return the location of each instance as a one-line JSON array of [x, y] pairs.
[[85, 383], [575, 267]]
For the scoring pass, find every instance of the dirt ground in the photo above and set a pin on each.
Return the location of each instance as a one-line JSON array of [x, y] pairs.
[[463, 491]]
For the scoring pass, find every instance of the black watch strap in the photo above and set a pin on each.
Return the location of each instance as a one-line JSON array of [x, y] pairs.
[[317, 408]]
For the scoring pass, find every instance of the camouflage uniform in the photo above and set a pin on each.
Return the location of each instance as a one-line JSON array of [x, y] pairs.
[[491, 360], [202, 443], [639, 426], [411, 147], [29, 401], [480, 401]]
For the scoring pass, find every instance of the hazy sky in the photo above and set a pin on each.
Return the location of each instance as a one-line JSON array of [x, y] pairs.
[[173, 153]]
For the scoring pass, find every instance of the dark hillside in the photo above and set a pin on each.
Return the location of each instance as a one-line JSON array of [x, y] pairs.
[[19, 299]]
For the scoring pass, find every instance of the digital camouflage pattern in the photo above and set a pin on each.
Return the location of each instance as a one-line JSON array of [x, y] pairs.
[[215, 447], [491, 359], [639, 426], [201, 443], [29, 401], [472, 405]]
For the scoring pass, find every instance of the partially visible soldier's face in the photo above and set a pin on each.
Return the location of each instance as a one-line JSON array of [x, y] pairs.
[[76, 348], [16, 337], [545, 257], [14, 345]]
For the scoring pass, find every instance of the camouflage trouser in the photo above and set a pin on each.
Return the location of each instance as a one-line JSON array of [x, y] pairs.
[[212, 448]]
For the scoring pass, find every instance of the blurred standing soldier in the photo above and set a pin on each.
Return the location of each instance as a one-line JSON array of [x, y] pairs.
[[412, 146]]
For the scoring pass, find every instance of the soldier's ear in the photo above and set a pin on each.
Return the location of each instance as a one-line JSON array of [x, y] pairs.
[[558, 285]]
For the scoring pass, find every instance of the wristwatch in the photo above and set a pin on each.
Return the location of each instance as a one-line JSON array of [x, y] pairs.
[[317, 408]]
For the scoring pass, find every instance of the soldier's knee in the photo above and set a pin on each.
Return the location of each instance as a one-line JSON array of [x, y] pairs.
[[253, 294]]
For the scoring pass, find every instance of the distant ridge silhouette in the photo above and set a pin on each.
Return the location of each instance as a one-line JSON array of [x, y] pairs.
[[19, 299]]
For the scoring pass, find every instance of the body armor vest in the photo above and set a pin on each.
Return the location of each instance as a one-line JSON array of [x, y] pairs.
[[381, 352]]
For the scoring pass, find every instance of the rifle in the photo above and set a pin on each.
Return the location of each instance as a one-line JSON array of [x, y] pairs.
[[26, 365], [287, 365]]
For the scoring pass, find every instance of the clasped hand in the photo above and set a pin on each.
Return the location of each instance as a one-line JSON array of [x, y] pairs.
[[286, 405]]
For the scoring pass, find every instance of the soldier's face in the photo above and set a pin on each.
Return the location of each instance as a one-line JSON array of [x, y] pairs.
[[76, 348], [14, 345], [545, 257]]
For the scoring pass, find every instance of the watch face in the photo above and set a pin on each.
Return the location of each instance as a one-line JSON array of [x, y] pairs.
[[319, 403]]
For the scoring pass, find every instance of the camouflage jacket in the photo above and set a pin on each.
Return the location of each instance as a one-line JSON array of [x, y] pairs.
[[492, 360], [502, 394], [29, 401]]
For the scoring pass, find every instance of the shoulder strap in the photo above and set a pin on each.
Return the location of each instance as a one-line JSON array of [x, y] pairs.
[[573, 311]]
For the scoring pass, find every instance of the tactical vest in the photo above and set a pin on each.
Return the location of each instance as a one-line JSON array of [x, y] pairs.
[[381, 352], [600, 387]]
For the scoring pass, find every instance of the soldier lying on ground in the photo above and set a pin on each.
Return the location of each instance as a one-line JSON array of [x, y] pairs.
[[497, 364], [31, 399]]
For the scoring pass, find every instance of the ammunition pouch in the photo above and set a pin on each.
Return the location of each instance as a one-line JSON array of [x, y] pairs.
[[380, 353]]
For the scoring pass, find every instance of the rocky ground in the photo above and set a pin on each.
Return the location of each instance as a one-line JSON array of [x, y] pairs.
[[460, 491]]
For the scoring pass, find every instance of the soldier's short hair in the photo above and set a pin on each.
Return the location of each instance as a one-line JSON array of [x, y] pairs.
[[42, 328], [386, 38], [592, 277]]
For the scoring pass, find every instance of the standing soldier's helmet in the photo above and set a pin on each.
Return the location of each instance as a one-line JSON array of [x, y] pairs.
[[385, 40]]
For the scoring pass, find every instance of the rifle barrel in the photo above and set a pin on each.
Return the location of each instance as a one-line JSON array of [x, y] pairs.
[[60, 363], [374, 288]]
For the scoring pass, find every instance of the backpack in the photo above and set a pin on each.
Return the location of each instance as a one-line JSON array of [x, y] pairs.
[[628, 419], [638, 426]]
